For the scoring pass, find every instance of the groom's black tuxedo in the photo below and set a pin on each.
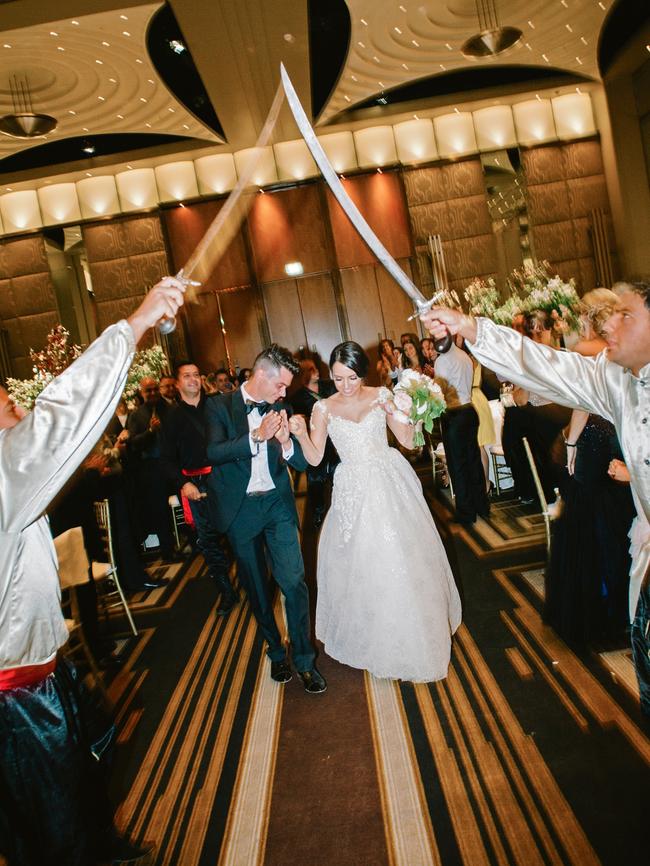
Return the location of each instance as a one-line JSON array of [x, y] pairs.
[[261, 526], [229, 452]]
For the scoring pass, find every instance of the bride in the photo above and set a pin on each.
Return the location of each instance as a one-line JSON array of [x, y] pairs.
[[387, 601]]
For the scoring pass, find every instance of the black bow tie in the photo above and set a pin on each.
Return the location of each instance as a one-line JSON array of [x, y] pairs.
[[262, 407]]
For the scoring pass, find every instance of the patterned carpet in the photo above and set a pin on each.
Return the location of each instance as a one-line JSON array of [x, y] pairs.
[[527, 754]]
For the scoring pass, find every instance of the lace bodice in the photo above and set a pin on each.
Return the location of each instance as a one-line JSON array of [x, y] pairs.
[[358, 442]]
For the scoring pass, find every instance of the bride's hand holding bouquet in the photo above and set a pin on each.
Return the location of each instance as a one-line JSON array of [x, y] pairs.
[[416, 400]]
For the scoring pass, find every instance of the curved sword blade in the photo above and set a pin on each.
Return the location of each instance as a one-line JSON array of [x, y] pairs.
[[351, 210]]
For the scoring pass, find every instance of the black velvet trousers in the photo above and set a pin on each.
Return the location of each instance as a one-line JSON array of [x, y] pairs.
[[460, 438]]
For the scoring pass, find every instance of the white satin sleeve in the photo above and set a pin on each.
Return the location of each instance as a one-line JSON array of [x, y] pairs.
[[41, 452], [563, 377]]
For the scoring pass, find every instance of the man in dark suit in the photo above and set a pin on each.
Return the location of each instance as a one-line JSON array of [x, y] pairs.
[[249, 445]]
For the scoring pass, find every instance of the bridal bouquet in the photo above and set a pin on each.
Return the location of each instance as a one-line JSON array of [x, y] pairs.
[[418, 401]]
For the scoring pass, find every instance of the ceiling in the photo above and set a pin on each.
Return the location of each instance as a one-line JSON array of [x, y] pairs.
[[87, 62]]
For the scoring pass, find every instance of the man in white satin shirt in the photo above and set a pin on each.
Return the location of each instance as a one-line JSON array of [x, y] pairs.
[[614, 385]]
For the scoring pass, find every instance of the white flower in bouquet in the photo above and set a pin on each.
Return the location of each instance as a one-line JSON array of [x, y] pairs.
[[148, 363], [418, 401], [482, 297]]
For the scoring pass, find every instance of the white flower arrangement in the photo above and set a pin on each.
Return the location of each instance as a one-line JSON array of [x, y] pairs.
[[482, 297], [147, 363], [418, 401]]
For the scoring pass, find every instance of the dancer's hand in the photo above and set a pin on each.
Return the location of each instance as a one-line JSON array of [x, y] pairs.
[[163, 300], [191, 491], [439, 320], [618, 471]]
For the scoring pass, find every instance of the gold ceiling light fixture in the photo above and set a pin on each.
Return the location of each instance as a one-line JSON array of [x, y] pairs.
[[492, 39], [24, 122]]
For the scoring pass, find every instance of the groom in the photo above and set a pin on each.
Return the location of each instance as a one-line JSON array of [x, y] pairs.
[[249, 444]]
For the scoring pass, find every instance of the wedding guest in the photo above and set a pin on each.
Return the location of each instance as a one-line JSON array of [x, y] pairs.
[[412, 359], [486, 435], [306, 390], [387, 369], [615, 385], [167, 387], [429, 354], [459, 425], [409, 337], [53, 808], [186, 464], [222, 381], [244, 374]]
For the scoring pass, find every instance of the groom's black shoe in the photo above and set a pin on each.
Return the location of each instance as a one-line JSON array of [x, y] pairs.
[[281, 671], [313, 681]]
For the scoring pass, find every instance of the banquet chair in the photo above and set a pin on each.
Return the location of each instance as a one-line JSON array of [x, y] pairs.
[[500, 469], [73, 567], [540, 493], [106, 572]]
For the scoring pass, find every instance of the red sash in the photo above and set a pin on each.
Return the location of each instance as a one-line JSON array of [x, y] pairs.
[[192, 473], [29, 675]]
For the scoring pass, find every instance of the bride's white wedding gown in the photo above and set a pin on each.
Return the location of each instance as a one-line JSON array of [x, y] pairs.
[[387, 600]]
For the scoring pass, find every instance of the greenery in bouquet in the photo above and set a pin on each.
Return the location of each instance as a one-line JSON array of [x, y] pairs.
[[537, 289], [418, 401]]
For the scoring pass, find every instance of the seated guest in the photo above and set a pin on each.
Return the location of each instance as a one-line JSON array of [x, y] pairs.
[[387, 370], [459, 425], [186, 465], [306, 389], [145, 427]]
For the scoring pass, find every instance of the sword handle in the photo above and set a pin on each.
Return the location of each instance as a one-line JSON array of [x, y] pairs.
[[167, 324]]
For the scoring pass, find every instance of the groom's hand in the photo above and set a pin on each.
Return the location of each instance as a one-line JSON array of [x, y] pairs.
[[270, 424], [282, 433]]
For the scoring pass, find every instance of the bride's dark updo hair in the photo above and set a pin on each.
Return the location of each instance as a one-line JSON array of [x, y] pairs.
[[351, 355]]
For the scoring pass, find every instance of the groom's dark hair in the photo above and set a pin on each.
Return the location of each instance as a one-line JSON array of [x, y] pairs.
[[275, 357]]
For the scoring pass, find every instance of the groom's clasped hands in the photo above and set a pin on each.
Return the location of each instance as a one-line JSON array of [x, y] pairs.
[[275, 424]]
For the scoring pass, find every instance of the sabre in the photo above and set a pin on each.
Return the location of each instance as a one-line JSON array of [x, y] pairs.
[[351, 210], [225, 225]]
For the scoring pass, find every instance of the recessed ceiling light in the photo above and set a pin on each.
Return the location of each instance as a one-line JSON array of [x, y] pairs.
[[124, 17], [76, 23], [53, 33], [70, 111], [151, 81], [100, 62], [129, 166], [85, 128], [448, 46], [120, 116], [89, 174], [364, 22], [125, 33], [113, 80], [148, 125], [361, 45], [106, 44], [101, 98], [289, 37], [137, 60], [143, 99], [397, 30], [346, 97], [171, 109], [413, 42], [6, 45], [60, 48], [185, 126], [404, 66], [354, 77]]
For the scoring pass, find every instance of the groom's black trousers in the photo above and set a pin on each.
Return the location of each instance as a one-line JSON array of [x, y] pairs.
[[263, 523]]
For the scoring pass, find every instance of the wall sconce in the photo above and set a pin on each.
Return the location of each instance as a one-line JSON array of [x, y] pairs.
[[494, 127], [216, 173], [415, 141], [20, 211], [375, 146], [265, 171], [534, 121], [339, 149], [294, 161], [59, 203], [293, 269], [98, 196], [176, 181], [137, 189], [574, 116], [455, 134]]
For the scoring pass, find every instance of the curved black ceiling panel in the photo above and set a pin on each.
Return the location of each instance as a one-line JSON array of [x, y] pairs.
[[173, 61], [329, 39], [624, 20], [463, 81], [63, 150]]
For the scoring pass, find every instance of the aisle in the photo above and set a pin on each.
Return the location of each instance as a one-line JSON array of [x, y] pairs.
[[525, 755]]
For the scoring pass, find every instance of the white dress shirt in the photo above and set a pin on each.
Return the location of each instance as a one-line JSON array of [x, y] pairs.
[[37, 457], [261, 480], [456, 368]]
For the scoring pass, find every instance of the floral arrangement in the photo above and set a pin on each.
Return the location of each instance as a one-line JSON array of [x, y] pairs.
[[418, 401], [57, 355], [482, 297], [531, 288], [48, 363], [146, 363]]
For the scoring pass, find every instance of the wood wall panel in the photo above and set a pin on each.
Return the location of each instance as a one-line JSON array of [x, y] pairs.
[[318, 307], [565, 183], [240, 313], [205, 337], [395, 305], [288, 226], [283, 314], [28, 306], [185, 226], [362, 304], [380, 199]]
